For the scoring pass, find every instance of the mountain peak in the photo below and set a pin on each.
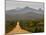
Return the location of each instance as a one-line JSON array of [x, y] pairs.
[[26, 7]]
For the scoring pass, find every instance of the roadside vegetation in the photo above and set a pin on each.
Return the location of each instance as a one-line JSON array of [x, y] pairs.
[[33, 26]]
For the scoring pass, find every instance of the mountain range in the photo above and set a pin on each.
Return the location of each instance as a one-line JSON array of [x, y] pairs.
[[24, 13]]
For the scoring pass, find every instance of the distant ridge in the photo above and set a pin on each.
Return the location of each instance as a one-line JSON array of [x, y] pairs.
[[26, 13]]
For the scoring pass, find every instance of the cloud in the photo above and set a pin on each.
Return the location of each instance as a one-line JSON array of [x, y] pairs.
[[32, 0], [30, 4], [10, 4]]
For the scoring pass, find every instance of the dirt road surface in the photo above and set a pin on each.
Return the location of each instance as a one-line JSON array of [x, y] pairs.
[[17, 29]]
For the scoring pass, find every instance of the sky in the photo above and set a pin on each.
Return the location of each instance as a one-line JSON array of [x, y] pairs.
[[35, 5], [12, 4]]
